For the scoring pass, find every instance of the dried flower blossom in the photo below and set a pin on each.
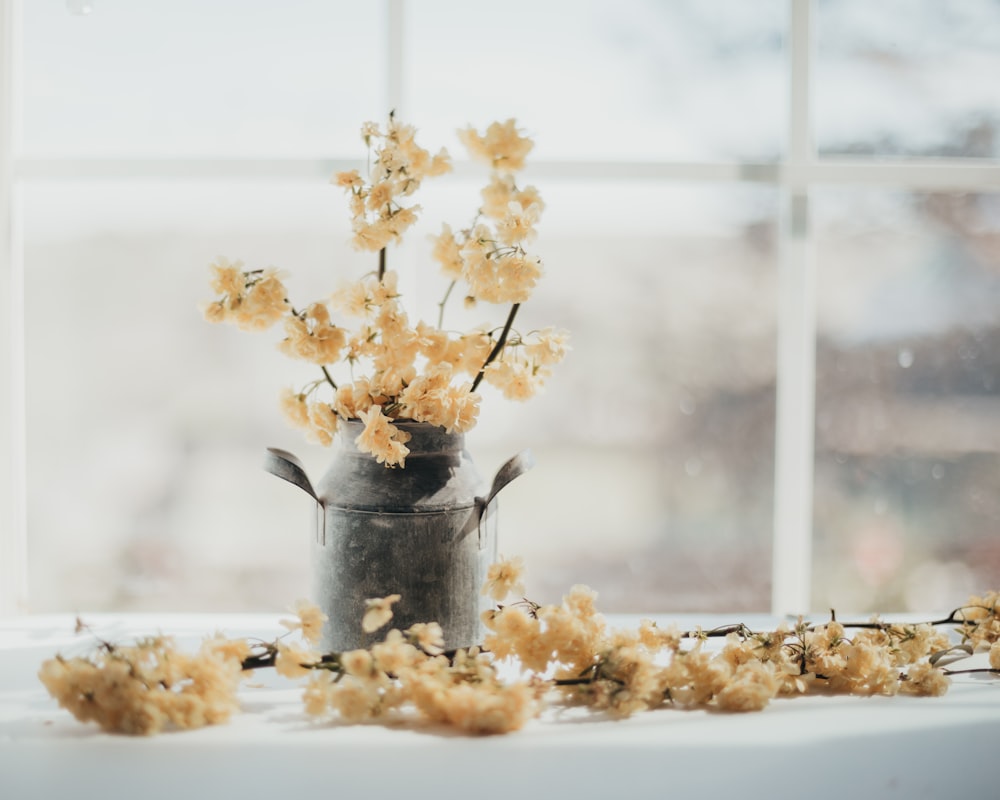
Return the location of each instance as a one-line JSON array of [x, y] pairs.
[[751, 688], [311, 337], [252, 301], [358, 663], [147, 687], [293, 661], [981, 617], [448, 254], [382, 439], [505, 577], [309, 621], [517, 381], [378, 612], [501, 146], [427, 636], [295, 408], [394, 653], [323, 423], [547, 347], [926, 680], [480, 708]]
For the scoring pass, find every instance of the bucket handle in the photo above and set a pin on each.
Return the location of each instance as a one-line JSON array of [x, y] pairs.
[[512, 468], [289, 468]]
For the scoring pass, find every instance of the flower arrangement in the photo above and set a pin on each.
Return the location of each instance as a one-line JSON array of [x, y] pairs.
[[565, 653], [397, 369]]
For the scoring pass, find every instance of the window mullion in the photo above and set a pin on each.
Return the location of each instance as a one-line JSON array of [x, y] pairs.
[[394, 64], [13, 535], [791, 570]]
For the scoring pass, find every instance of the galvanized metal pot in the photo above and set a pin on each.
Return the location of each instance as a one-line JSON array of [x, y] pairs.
[[426, 532]]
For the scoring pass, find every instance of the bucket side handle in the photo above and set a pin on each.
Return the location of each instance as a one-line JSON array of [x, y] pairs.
[[512, 468], [289, 468]]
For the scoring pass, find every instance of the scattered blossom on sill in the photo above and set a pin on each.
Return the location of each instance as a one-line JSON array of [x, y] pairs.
[[565, 653]]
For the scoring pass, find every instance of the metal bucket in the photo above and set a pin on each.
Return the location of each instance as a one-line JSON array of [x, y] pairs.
[[424, 531]]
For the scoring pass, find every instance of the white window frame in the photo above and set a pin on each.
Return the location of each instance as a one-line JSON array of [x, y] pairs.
[[794, 178]]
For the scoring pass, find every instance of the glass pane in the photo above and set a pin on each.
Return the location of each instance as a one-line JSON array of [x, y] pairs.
[[908, 399], [655, 438], [147, 426], [186, 78], [632, 80], [907, 78]]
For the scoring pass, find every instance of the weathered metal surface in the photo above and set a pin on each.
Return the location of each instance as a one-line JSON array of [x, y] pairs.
[[425, 532]]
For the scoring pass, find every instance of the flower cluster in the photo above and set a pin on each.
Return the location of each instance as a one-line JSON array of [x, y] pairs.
[[628, 671], [409, 668], [980, 619], [145, 687], [565, 652], [398, 368]]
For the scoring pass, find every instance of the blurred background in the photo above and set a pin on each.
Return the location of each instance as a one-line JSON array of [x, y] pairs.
[[655, 439]]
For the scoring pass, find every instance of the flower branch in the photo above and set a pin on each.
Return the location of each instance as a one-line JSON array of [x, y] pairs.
[[398, 369]]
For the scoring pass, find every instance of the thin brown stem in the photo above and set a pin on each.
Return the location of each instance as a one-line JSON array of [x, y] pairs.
[[381, 263], [981, 671], [328, 378], [498, 347]]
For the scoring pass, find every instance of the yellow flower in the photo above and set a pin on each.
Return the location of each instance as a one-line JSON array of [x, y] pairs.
[[227, 278], [516, 381], [382, 439], [394, 653], [353, 700], [501, 145], [316, 696], [295, 408], [925, 680], [505, 577], [428, 636], [378, 612], [322, 423], [497, 195], [352, 298], [313, 338], [293, 662], [447, 253], [549, 346], [378, 199], [518, 224], [750, 689], [309, 621], [354, 398], [357, 663], [347, 180]]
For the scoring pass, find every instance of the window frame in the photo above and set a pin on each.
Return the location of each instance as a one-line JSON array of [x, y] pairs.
[[794, 177]]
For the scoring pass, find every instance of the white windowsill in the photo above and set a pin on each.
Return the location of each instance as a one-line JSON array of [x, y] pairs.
[[820, 746]]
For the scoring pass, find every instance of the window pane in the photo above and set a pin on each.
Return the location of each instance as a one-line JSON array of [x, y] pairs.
[[147, 425], [191, 78], [655, 439], [908, 78], [908, 399], [632, 80]]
